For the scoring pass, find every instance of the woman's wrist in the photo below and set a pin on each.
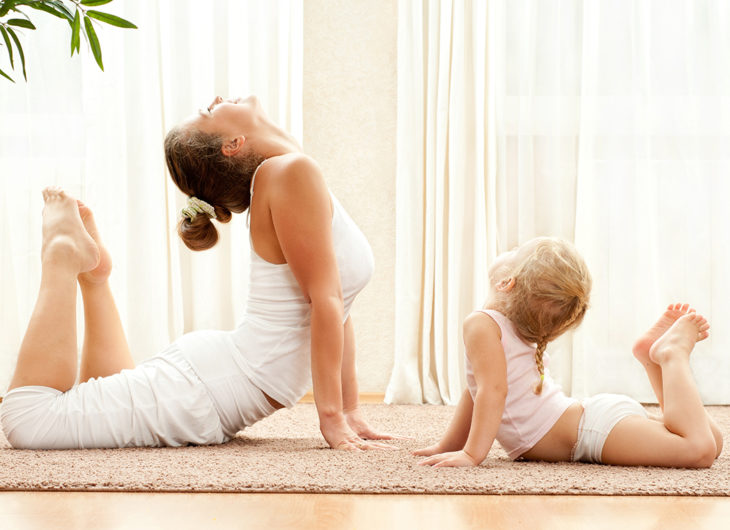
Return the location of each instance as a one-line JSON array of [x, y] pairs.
[[330, 414], [350, 410]]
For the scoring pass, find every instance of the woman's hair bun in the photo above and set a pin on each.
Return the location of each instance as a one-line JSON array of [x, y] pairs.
[[200, 233], [223, 214]]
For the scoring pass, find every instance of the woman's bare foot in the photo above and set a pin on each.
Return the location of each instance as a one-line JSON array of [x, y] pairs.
[[679, 340], [644, 343], [65, 240], [102, 271]]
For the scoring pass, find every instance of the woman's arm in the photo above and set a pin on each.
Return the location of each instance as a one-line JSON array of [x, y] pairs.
[[301, 213], [351, 406], [350, 390], [482, 338]]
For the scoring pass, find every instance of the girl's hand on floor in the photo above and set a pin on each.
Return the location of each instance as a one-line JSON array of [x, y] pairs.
[[428, 451], [357, 422], [452, 459]]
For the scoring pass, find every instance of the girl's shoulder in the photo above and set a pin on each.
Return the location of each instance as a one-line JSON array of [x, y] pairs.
[[504, 323], [508, 331]]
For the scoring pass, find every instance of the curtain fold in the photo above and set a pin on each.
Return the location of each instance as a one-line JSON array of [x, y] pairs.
[[601, 122], [442, 241], [100, 134]]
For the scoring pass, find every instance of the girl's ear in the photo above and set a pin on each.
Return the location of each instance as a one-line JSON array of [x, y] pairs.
[[506, 285]]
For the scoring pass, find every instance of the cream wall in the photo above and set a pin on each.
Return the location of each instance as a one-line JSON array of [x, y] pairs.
[[350, 129]]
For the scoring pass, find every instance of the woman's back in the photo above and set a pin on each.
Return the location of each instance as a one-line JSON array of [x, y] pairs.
[[274, 337]]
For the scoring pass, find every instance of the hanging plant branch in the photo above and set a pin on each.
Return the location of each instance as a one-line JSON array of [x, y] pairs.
[[13, 16]]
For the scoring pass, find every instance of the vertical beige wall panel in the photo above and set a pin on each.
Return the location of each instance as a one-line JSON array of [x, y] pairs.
[[350, 61]]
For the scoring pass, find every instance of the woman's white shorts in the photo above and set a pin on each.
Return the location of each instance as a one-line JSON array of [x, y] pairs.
[[161, 402], [601, 413]]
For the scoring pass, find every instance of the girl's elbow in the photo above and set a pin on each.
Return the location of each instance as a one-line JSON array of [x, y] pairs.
[[500, 391]]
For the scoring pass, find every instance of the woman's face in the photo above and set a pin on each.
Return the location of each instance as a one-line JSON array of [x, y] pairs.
[[228, 117]]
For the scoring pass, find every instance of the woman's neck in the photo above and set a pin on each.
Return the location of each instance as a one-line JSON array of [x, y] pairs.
[[270, 140]]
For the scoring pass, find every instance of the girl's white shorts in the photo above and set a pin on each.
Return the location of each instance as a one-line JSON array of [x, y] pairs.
[[601, 413]]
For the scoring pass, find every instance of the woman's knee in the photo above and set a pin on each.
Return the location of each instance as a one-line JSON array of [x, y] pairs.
[[24, 417], [16, 432]]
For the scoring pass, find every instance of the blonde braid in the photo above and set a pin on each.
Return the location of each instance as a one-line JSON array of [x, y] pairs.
[[539, 351]]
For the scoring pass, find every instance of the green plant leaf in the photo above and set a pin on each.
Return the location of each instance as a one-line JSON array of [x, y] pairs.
[[20, 50], [5, 7], [76, 34], [54, 7], [21, 23], [94, 2], [62, 9], [6, 76], [10, 47], [93, 41], [110, 19]]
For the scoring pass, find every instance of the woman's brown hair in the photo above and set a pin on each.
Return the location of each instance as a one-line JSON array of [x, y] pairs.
[[550, 295], [199, 168]]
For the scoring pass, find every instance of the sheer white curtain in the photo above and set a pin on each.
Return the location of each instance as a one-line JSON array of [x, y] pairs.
[[605, 123], [99, 135], [445, 193], [653, 183]]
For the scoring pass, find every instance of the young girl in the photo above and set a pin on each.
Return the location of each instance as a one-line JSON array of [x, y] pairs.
[[541, 290]]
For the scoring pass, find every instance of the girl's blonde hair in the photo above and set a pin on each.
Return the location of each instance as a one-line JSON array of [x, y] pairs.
[[552, 286]]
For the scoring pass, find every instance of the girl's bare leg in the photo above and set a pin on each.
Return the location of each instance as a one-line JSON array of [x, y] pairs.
[[653, 370], [105, 350], [48, 353], [685, 438]]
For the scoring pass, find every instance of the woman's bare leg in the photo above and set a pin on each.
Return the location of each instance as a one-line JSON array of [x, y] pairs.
[[48, 353], [105, 350], [685, 438], [653, 370]]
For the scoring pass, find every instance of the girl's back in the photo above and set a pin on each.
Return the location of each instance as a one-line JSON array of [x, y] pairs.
[[527, 416]]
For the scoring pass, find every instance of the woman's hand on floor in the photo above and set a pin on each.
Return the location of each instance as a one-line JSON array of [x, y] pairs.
[[452, 459], [339, 435], [357, 422]]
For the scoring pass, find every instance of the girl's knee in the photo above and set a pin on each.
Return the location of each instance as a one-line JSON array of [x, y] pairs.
[[718, 440], [702, 453]]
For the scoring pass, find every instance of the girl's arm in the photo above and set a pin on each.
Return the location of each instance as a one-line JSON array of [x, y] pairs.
[[482, 338], [301, 213], [456, 433]]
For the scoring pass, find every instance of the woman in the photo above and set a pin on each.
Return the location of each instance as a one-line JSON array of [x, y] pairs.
[[308, 262]]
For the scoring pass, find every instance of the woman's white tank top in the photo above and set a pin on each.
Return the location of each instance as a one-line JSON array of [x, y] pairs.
[[274, 337]]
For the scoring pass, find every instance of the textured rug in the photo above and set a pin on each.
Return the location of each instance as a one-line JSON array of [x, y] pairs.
[[285, 453]]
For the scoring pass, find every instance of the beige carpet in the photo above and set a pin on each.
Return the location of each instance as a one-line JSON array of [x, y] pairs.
[[285, 453]]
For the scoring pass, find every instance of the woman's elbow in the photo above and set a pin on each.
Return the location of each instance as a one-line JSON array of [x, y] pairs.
[[327, 302]]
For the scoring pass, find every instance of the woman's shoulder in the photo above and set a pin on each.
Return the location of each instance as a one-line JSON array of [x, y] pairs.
[[290, 177], [293, 188], [292, 167]]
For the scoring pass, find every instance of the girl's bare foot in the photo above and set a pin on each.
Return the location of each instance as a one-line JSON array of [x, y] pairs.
[[104, 268], [679, 340], [643, 344], [65, 240]]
